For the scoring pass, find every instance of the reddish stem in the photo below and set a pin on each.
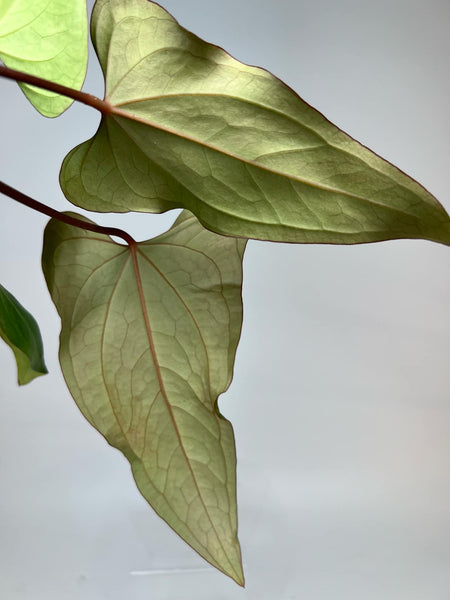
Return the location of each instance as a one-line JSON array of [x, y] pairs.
[[102, 105], [55, 214]]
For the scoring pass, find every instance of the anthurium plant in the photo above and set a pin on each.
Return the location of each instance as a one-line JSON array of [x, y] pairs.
[[149, 330]]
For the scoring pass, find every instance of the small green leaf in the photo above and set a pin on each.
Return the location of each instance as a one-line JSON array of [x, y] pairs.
[[148, 340], [46, 38], [21, 332], [189, 126]]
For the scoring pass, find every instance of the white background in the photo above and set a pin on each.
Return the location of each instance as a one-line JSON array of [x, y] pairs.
[[340, 400]]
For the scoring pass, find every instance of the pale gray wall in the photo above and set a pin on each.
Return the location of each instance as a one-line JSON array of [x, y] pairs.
[[340, 401]]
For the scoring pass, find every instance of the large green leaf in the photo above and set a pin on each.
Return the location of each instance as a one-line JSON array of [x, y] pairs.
[[47, 38], [186, 125], [148, 340], [21, 332]]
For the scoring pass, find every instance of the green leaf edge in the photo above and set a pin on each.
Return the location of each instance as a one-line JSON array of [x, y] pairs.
[[49, 104], [28, 352]]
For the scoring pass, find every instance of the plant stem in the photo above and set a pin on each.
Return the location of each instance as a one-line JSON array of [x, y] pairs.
[[64, 218], [102, 105]]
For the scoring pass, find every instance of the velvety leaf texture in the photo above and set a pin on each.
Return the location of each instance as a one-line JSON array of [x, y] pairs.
[[189, 126], [21, 332], [46, 38], [148, 340]]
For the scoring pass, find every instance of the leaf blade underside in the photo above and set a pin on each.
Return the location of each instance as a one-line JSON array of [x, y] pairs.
[[46, 38], [20, 331], [189, 126], [147, 344]]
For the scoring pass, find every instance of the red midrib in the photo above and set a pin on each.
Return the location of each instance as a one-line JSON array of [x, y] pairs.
[[133, 250]]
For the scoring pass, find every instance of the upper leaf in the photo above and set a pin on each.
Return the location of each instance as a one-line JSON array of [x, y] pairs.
[[21, 332], [186, 125], [46, 38], [149, 335]]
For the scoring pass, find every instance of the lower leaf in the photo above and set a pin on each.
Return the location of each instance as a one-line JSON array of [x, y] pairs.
[[148, 340]]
